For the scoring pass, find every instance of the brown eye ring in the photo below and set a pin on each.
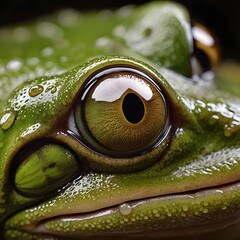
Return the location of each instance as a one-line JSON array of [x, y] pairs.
[[122, 112]]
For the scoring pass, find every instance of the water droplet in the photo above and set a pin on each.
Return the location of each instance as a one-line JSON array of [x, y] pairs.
[[183, 214], [145, 217], [125, 209], [53, 89], [14, 65], [213, 120], [125, 11], [154, 211], [63, 59], [33, 61], [7, 120], [185, 208], [169, 214], [224, 207], [21, 34], [49, 30], [196, 213], [205, 204], [104, 42], [67, 17], [119, 31], [230, 130], [35, 90], [47, 51], [205, 210], [2, 69], [49, 64]]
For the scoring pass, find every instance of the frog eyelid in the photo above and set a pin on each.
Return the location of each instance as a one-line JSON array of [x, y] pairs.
[[43, 162]]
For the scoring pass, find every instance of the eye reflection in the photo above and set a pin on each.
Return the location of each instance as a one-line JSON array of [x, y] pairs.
[[202, 36], [122, 112], [114, 87]]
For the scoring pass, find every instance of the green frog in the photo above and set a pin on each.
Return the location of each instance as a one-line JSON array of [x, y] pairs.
[[117, 124]]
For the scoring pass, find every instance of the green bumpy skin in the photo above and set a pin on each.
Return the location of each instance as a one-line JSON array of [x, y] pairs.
[[56, 182]]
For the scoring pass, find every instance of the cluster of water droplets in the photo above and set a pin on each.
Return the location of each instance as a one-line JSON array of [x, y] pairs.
[[224, 114], [38, 93], [216, 162], [220, 113]]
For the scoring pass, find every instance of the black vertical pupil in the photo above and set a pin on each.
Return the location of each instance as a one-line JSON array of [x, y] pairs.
[[133, 108]]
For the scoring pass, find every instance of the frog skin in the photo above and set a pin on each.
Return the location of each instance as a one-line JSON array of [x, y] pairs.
[[109, 132]]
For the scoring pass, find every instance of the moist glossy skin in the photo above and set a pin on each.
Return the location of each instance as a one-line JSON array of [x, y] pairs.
[[58, 182]]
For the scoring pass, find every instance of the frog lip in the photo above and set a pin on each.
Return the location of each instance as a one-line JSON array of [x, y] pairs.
[[204, 201]]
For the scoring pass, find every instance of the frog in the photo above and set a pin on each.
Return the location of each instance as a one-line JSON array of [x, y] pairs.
[[112, 125]]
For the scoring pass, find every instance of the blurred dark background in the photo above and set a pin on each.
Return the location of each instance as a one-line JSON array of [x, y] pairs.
[[222, 17]]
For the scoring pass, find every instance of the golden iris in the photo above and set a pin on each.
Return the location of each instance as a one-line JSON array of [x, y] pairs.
[[123, 111]]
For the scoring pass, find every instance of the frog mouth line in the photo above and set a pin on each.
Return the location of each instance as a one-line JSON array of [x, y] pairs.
[[203, 200]]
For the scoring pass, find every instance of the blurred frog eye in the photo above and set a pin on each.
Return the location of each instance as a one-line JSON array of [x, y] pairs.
[[206, 48], [47, 168], [122, 111]]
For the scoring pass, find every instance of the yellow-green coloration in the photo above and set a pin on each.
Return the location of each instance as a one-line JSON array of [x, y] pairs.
[[154, 155]]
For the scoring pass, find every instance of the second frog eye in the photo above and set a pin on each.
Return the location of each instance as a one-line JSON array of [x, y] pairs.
[[122, 112]]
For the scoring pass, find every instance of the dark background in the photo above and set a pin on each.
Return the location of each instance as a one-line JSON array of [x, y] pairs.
[[222, 17]]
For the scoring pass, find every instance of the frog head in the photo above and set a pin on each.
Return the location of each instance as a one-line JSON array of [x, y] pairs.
[[125, 144]]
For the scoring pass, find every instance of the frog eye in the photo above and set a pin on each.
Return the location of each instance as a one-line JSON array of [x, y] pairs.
[[122, 112], [47, 168], [206, 48]]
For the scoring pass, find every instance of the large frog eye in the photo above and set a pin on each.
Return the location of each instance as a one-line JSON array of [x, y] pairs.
[[46, 168], [206, 48], [122, 111]]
